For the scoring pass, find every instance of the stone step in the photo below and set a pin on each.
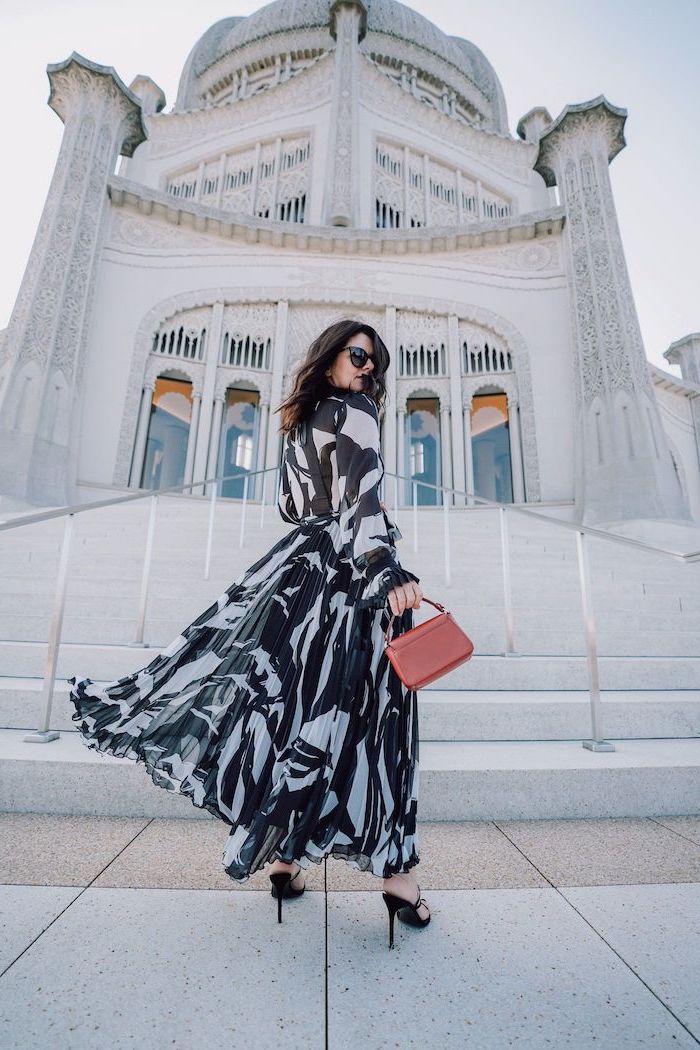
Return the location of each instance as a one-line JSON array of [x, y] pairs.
[[490, 672], [456, 714], [527, 780], [186, 605], [531, 637]]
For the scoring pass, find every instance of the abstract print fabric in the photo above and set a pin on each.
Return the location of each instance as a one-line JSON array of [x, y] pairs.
[[276, 710]]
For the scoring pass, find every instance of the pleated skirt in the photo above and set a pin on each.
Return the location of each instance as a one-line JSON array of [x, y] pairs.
[[277, 711]]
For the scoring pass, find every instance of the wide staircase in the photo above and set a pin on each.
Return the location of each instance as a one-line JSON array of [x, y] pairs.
[[500, 737]]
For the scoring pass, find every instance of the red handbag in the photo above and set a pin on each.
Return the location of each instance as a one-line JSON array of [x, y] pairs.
[[428, 651]]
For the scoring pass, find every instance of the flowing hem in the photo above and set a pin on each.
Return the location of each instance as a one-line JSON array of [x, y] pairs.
[[358, 861], [361, 862]]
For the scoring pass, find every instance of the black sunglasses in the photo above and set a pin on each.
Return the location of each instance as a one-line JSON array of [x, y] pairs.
[[358, 355]]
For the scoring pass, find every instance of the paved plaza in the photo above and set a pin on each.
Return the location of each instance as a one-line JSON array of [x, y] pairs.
[[124, 932]]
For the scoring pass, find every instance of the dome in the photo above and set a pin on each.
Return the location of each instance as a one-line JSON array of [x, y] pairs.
[[255, 39]]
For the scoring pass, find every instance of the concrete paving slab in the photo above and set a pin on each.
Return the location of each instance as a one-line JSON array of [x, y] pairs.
[[127, 968], [46, 850], [689, 827], [605, 852], [453, 855], [186, 854], [656, 930], [25, 912], [494, 968]]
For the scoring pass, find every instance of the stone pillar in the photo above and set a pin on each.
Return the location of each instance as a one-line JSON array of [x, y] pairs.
[[46, 340], [141, 434], [516, 457], [348, 25], [390, 418], [686, 354], [192, 440], [445, 457], [616, 479], [456, 413], [469, 456], [279, 351], [213, 350], [404, 486], [257, 488], [217, 422]]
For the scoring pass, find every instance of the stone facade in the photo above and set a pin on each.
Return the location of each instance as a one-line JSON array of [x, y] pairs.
[[326, 160]]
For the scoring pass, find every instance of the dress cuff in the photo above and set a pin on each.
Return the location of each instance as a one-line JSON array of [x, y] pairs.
[[374, 594]]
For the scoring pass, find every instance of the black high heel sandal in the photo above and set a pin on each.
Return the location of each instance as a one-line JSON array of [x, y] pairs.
[[282, 887], [396, 904]]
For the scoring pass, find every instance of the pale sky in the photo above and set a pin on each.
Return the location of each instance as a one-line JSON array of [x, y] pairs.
[[641, 54]]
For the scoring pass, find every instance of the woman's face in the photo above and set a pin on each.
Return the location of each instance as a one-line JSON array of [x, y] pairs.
[[343, 373]]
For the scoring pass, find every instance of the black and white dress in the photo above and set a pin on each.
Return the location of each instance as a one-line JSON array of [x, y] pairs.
[[277, 709]]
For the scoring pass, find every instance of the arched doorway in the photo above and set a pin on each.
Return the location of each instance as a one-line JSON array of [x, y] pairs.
[[423, 448], [168, 434], [490, 436], [238, 447]]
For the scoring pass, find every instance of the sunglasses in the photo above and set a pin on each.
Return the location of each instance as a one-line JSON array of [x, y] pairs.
[[358, 355]]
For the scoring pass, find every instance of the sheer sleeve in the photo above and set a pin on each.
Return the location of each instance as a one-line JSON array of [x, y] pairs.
[[367, 534]]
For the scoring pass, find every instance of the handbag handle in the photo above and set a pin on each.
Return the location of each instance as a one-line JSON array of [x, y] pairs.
[[437, 605]]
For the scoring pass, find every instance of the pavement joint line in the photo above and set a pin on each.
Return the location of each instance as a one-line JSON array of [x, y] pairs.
[[629, 966], [72, 902], [680, 834], [598, 933]]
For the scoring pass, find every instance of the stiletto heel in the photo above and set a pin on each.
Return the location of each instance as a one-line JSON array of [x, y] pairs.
[[393, 904], [282, 887], [396, 905]]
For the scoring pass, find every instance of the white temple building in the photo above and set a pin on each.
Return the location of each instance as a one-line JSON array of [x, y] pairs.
[[325, 160]]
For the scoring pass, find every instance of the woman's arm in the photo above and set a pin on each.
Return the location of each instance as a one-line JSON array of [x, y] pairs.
[[363, 524]]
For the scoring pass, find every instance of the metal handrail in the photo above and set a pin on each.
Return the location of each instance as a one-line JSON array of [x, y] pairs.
[[596, 743]]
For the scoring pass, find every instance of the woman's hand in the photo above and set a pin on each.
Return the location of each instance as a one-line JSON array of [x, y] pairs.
[[405, 596]]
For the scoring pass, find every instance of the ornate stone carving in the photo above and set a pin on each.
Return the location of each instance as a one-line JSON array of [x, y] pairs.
[[48, 326], [170, 132], [502, 153], [615, 476], [343, 160]]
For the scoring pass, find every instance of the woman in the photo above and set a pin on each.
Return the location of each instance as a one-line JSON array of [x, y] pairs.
[[277, 709]]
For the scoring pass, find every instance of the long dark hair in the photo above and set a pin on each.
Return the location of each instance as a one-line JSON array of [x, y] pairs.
[[310, 382]]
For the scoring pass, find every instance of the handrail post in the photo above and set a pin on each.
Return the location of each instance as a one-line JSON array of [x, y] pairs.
[[507, 589], [145, 576], [596, 743], [414, 490], [243, 509], [46, 735], [210, 528], [446, 537]]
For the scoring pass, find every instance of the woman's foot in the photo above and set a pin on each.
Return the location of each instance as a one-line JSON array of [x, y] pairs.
[[405, 885], [281, 865]]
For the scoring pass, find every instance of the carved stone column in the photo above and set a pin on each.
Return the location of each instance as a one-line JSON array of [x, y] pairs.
[[516, 457], [192, 440], [389, 432], [468, 450], [262, 479], [348, 25], [404, 486], [141, 434], [217, 423], [445, 454], [456, 411], [213, 350], [46, 337], [624, 468], [279, 360]]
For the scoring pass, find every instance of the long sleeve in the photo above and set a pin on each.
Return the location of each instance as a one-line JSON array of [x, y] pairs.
[[367, 534]]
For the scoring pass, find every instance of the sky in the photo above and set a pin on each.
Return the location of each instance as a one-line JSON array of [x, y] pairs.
[[640, 54]]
